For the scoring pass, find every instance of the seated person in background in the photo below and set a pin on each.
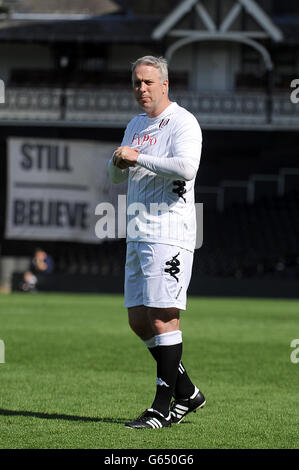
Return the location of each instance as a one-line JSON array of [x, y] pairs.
[[41, 263]]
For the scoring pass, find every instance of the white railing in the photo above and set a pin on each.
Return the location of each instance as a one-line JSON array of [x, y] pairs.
[[116, 107]]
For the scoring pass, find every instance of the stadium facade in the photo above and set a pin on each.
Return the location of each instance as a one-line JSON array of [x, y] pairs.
[[67, 91]]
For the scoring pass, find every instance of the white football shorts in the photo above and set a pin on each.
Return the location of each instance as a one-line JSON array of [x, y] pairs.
[[157, 275]]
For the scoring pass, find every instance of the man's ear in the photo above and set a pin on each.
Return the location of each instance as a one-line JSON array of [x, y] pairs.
[[165, 86]]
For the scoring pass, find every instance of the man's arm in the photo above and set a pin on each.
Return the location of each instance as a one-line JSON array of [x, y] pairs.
[[116, 174], [119, 171], [186, 151], [173, 168]]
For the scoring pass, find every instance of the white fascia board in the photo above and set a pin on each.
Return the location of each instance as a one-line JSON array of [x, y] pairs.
[[49, 16], [182, 33], [205, 17], [172, 19], [263, 19], [230, 18]]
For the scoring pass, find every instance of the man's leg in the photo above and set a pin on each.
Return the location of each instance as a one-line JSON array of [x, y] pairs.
[[140, 323], [149, 324], [159, 328], [166, 325]]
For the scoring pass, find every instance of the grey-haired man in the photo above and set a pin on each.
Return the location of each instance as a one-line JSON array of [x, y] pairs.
[[160, 155]]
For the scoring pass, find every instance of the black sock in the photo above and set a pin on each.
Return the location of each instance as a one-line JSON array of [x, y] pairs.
[[184, 388], [168, 359]]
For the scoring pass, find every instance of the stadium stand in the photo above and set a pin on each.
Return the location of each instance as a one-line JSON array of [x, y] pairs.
[[245, 237], [80, 78], [252, 240]]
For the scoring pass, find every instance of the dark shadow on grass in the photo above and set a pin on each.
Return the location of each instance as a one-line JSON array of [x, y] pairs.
[[36, 414]]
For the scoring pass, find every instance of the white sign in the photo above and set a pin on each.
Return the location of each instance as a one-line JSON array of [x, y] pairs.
[[54, 187], [2, 92]]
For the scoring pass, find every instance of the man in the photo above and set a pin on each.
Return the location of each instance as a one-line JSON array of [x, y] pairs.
[[160, 155], [41, 264]]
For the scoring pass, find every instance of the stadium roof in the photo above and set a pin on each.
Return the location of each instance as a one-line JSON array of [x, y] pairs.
[[108, 29], [88, 7], [101, 22]]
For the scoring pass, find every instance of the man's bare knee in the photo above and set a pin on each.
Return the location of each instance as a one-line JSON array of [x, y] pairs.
[[164, 320], [140, 322]]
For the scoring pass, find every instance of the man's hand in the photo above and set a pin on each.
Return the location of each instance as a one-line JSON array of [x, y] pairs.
[[124, 157]]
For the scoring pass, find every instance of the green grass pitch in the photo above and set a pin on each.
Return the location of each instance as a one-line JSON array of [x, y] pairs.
[[74, 373]]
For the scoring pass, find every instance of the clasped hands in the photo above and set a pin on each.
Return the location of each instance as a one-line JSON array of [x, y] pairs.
[[124, 157]]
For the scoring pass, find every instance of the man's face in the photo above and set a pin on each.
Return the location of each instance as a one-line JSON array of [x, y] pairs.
[[150, 92], [40, 255]]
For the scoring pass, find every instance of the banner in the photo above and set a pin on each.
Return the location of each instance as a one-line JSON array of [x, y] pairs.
[[54, 186]]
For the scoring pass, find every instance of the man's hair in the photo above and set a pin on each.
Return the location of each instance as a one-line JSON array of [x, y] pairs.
[[158, 62]]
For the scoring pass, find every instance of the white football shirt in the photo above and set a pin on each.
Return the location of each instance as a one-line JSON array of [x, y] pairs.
[[160, 199]]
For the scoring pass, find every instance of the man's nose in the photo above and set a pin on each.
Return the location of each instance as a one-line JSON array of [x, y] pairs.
[[142, 86]]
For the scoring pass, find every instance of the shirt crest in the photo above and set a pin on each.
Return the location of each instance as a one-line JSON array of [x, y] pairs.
[[163, 123]]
